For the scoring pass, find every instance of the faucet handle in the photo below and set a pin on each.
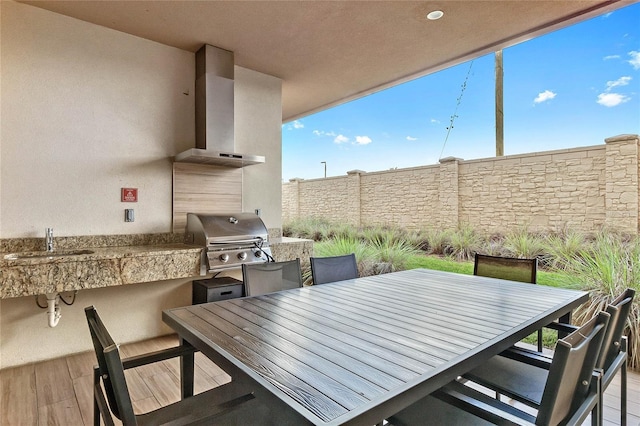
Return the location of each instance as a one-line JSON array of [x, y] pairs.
[[48, 239]]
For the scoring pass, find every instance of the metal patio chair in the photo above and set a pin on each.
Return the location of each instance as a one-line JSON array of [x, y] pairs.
[[220, 404], [334, 268], [520, 373], [571, 391], [508, 268], [263, 278]]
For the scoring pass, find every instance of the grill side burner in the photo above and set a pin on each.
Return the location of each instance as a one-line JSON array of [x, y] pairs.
[[229, 240]]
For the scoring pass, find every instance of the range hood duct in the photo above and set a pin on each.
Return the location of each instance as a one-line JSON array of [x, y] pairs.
[[215, 143]]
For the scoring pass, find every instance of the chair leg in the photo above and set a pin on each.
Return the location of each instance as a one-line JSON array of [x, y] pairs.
[[96, 411], [540, 341], [96, 406], [623, 393]]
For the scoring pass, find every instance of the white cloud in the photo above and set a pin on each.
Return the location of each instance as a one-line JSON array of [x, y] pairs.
[[606, 58], [544, 96], [612, 99], [411, 138], [341, 139], [363, 140], [635, 59], [295, 125], [434, 121], [622, 81], [323, 133]]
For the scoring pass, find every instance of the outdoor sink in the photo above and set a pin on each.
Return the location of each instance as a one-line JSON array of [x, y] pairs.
[[45, 254]]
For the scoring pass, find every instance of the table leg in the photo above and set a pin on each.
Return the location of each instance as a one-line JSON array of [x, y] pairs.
[[565, 319], [187, 371]]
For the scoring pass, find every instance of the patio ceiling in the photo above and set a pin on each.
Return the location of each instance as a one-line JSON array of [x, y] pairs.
[[330, 52]]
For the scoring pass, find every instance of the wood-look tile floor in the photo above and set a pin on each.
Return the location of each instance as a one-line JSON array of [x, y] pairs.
[[59, 391]]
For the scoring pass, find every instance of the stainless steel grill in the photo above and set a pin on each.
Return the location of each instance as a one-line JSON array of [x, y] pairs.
[[229, 240]]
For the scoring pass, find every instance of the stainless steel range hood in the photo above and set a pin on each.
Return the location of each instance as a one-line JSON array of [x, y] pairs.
[[215, 142]]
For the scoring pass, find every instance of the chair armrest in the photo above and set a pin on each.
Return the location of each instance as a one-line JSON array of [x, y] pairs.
[[481, 405], [161, 355], [563, 327], [527, 356]]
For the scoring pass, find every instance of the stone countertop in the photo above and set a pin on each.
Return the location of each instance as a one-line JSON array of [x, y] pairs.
[[93, 253], [147, 258], [114, 260]]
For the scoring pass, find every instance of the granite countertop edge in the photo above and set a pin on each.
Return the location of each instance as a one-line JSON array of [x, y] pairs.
[[101, 253]]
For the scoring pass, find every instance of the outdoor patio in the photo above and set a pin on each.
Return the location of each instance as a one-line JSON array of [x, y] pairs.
[[59, 391]]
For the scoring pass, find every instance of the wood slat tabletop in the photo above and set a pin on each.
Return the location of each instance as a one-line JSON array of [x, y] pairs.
[[358, 351]]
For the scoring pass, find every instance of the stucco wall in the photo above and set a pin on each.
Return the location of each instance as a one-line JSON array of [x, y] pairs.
[[85, 111], [582, 188]]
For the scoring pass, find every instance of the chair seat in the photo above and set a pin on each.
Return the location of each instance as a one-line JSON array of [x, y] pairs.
[[439, 414], [511, 378], [453, 405]]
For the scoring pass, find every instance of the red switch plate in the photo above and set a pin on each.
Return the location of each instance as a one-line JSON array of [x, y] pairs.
[[129, 195]]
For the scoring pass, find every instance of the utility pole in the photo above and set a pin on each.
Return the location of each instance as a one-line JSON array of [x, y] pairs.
[[499, 102], [325, 168]]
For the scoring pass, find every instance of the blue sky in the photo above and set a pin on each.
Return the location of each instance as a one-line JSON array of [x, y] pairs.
[[570, 88]]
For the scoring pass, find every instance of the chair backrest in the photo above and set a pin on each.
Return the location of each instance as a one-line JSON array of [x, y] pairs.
[[335, 268], [571, 370], [263, 278], [619, 310], [111, 370], [506, 268]]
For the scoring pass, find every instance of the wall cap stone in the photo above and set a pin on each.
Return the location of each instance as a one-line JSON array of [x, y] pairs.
[[622, 138], [356, 172], [450, 159]]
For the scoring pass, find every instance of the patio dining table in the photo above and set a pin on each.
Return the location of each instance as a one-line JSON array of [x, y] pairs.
[[358, 351]]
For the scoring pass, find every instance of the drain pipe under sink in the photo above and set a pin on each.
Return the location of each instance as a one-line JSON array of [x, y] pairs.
[[53, 309]]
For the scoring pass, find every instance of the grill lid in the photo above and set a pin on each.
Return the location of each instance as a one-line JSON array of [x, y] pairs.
[[207, 229]]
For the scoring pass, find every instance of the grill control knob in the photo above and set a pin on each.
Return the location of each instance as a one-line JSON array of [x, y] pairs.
[[224, 257], [242, 255], [258, 253]]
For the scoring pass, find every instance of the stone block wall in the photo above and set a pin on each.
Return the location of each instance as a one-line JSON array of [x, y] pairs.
[[545, 191], [580, 188]]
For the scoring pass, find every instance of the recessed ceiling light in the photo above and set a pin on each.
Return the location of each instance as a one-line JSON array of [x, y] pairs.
[[436, 14]]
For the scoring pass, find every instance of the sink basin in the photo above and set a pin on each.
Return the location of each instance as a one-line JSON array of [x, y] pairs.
[[45, 254]]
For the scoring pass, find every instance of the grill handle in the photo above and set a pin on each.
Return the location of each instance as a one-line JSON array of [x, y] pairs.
[[234, 241]]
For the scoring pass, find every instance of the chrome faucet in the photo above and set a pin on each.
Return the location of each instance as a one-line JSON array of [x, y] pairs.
[[49, 239]]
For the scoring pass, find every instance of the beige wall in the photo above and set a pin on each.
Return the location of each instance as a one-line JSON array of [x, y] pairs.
[[258, 131], [85, 111], [581, 188]]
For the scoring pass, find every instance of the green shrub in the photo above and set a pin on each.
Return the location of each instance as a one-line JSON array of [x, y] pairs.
[[391, 254], [464, 243], [605, 268], [523, 244], [309, 228], [563, 248], [438, 240]]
